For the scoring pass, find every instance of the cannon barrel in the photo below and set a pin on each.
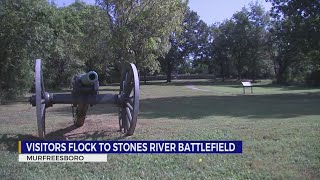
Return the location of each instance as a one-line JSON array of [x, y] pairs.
[[89, 78]]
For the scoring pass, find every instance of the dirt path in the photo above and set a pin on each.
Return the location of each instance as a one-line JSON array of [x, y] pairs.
[[205, 90]]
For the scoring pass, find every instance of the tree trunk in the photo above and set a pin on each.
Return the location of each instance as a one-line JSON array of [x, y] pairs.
[[222, 72], [253, 76], [145, 77], [254, 71], [169, 76], [281, 72], [239, 72], [210, 68], [169, 71], [281, 79]]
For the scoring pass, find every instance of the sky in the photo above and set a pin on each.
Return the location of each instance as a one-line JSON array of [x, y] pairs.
[[210, 11]]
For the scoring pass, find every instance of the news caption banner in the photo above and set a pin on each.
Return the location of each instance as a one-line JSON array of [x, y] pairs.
[[97, 151]]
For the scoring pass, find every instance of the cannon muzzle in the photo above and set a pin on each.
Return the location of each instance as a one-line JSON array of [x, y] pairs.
[[87, 83], [89, 78]]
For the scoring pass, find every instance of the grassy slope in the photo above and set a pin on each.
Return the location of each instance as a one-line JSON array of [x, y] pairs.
[[279, 126]]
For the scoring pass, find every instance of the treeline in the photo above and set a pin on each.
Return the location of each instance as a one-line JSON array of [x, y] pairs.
[[81, 37], [283, 44], [160, 37]]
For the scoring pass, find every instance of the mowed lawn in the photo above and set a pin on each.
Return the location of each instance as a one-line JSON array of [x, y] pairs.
[[279, 127]]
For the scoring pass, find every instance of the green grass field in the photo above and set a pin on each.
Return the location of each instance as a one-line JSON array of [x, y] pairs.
[[279, 127]]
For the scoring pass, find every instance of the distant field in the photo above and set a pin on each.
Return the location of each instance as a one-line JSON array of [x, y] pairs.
[[279, 127]]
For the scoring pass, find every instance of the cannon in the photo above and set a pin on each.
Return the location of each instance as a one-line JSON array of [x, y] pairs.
[[85, 93]]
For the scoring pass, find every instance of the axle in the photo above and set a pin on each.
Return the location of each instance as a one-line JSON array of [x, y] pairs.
[[53, 98]]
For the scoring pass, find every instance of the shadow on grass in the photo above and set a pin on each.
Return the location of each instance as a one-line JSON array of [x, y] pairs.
[[94, 110], [288, 88], [251, 106], [60, 133], [66, 133], [9, 142], [197, 107]]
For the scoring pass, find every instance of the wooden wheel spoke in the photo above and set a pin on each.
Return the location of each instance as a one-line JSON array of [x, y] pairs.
[[128, 78], [125, 82], [128, 123], [129, 114], [129, 89], [128, 83], [129, 106], [120, 119]]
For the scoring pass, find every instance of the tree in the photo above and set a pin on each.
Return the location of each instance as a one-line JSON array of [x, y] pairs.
[[25, 35], [201, 50], [190, 43], [295, 38], [221, 48], [259, 63], [140, 30], [240, 37], [239, 44], [66, 39], [64, 60], [95, 43], [173, 57], [79, 44]]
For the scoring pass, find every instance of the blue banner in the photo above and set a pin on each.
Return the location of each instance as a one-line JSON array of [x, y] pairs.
[[168, 147]]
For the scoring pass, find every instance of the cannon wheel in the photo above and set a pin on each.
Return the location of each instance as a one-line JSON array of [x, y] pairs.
[[129, 105], [40, 100]]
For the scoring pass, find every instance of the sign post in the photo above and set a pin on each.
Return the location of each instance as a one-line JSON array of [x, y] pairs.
[[246, 84]]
